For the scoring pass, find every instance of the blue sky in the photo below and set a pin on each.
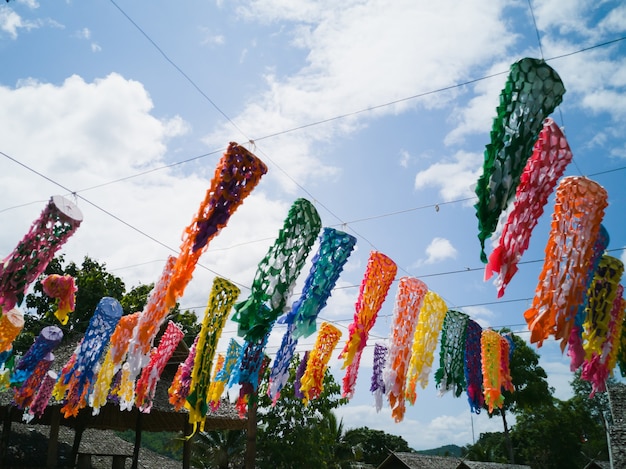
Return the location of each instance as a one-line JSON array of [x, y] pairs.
[[378, 112]]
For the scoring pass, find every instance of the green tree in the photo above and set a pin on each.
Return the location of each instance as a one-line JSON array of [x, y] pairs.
[[218, 448], [490, 447], [375, 445], [289, 429]]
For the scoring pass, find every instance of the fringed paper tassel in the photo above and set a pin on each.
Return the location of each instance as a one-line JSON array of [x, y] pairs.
[[551, 155], [150, 375], [599, 367], [277, 272], [57, 222], [112, 363], [309, 382], [11, 324], [409, 300], [223, 295], [532, 91], [425, 342], [378, 385], [602, 294], [473, 367], [491, 351], [181, 384], [451, 373], [327, 264], [63, 288], [280, 369], [575, 348], [48, 339], [41, 399], [23, 396], [379, 275], [216, 389], [81, 375], [578, 212]]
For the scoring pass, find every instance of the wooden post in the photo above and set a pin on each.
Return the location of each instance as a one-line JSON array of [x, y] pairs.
[[81, 423], [6, 432], [53, 438], [137, 440], [250, 458], [187, 445]]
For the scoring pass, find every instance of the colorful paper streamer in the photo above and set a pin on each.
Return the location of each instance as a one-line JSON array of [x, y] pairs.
[[409, 300], [378, 384], [309, 382], [532, 91], [425, 341], [56, 223], [41, 399], [181, 384], [63, 288], [551, 155], [216, 389], [578, 212], [473, 367], [24, 395], [491, 352], [48, 339], [451, 373], [379, 275], [11, 324]]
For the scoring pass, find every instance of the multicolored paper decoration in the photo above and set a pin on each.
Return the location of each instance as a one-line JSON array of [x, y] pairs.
[[216, 388], [223, 296], [150, 375], [505, 367], [118, 346], [575, 342], [599, 366], [451, 373], [578, 212], [11, 324], [601, 303], [491, 354], [473, 367], [309, 382], [246, 392], [379, 275], [80, 376], [63, 288], [280, 369], [277, 272], [378, 385], [23, 396], [179, 389], [551, 155], [57, 222], [409, 299], [425, 342], [47, 340], [40, 402], [532, 91]]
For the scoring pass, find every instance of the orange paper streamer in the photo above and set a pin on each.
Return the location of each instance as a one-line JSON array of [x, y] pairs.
[[312, 381], [11, 324], [63, 288], [578, 212], [379, 275], [409, 300]]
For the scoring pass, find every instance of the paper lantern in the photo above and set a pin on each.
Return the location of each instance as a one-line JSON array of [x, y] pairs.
[[223, 296], [223, 376], [532, 91], [23, 396], [378, 385], [599, 366], [179, 389], [379, 275], [409, 300], [575, 342], [277, 272], [473, 367], [80, 376], [57, 222], [578, 212], [11, 324], [47, 340], [451, 373], [41, 399], [118, 346], [551, 155], [309, 382], [146, 384], [425, 342], [63, 288]]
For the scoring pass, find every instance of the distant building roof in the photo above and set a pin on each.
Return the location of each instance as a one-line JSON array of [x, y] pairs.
[[422, 461]]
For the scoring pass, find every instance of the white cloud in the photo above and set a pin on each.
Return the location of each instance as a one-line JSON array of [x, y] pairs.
[[454, 179], [439, 249], [405, 158], [10, 21]]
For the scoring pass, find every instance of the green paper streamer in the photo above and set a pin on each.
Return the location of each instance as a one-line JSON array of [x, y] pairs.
[[532, 91], [451, 373], [277, 272]]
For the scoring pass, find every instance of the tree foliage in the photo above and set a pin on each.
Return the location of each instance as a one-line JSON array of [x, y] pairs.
[[375, 445], [218, 449]]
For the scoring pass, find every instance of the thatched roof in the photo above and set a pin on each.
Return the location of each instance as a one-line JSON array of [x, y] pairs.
[[423, 461]]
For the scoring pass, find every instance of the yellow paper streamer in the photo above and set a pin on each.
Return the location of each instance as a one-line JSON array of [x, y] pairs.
[[491, 351], [11, 324], [425, 341], [312, 381]]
